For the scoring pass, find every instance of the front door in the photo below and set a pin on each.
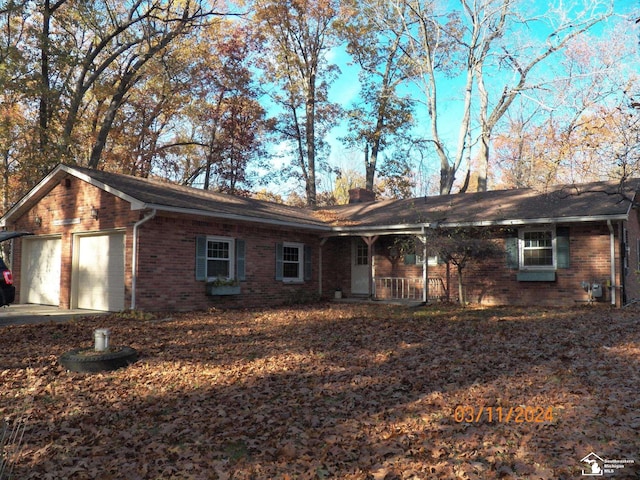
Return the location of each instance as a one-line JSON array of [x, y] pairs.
[[359, 267]]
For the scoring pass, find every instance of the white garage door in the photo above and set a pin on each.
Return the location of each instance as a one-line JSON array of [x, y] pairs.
[[41, 260], [100, 272]]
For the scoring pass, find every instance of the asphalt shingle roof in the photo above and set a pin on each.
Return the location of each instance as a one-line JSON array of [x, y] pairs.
[[586, 201], [162, 194], [583, 202]]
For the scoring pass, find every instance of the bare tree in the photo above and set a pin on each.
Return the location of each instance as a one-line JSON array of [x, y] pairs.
[[487, 46], [299, 34], [461, 247], [375, 39], [102, 47]]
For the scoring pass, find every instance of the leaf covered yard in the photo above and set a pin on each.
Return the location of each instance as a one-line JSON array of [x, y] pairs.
[[330, 391]]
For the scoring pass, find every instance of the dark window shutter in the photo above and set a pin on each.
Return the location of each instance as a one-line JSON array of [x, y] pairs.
[[562, 247], [511, 249], [240, 260], [410, 259], [201, 258], [308, 262], [279, 262]]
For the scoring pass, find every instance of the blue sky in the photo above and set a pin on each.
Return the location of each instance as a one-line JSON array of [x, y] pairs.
[[346, 88]]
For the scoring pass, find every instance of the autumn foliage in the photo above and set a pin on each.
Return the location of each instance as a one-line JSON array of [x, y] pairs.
[[328, 391]]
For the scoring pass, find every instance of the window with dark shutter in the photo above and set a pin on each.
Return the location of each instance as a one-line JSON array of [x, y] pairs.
[[216, 258]]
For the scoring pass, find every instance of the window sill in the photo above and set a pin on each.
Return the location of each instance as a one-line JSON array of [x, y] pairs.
[[536, 276]]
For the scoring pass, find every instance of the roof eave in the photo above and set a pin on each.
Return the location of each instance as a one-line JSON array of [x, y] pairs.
[[369, 230], [135, 203], [231, 216], [537, 221]]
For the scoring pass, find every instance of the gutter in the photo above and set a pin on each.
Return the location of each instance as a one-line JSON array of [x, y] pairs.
[[233, 216], [134, 256], [612, 243], [415, 229]]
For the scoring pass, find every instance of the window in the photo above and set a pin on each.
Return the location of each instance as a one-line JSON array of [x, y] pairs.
[[362, 253], [293, 262], [538, 253], [626, 251], [537, 248], [418, 259], [219, 258], [292, 255]]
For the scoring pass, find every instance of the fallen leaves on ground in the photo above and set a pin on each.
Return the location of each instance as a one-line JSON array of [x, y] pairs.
[[330, 391]]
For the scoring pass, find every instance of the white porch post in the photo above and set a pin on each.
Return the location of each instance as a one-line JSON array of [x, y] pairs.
[[425, 267], [425, 271], [370, 241]]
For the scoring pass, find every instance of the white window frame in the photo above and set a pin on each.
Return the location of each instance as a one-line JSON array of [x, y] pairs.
[[522, 249], [360, 253], [432, 260], [300, 277], [232, 257]]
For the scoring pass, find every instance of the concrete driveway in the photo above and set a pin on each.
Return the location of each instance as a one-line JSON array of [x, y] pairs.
[[29, 313]]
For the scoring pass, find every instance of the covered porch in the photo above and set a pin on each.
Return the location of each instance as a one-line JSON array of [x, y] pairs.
[[386, 265]]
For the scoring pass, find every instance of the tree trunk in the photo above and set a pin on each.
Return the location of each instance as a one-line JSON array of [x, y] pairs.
[[461, 287], [105, 128], [44, 76], [311, 141]]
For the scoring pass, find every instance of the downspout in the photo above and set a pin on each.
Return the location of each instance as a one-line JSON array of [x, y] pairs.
[[322, 242], [134, 256], [612, 242]]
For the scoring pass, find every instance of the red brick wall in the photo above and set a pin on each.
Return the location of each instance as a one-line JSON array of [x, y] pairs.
[[166, 277], [336, 266], [65, 203], [166, 262], [490, 282]]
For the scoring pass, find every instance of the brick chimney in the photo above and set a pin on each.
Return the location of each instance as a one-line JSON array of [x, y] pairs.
[[361, 195]]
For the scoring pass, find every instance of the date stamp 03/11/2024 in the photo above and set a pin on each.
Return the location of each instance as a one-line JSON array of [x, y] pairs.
[[518, 414]]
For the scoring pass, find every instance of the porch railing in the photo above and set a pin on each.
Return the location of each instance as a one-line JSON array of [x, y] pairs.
[[407, 288]]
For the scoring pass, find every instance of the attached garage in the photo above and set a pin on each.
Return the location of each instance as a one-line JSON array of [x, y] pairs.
[[41, 270], [99, 266]]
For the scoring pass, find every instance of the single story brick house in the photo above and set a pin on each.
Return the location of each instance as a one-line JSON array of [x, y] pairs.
[[110, 242]]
